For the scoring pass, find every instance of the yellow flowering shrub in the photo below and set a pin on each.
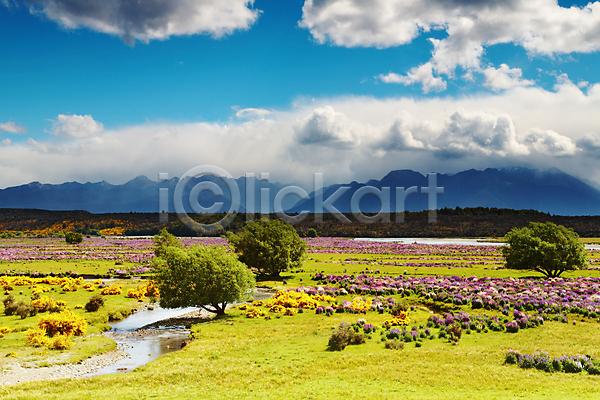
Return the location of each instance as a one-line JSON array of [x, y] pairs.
[[149, 289], [4, 330], [89, 287], [152, 289], [293, 300], [254, 312], [40, 289], [290, 311], [98, 281], [398, 320], [360, 304], [137, 293], [113, 289], [258, 303], [44, 303], [78, 307], [60, 342], [277, 309], [63, 323], [243, 307], [37, 337], [324, 297]]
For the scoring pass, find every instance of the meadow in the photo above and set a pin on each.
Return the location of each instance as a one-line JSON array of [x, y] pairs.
[[278, 348]]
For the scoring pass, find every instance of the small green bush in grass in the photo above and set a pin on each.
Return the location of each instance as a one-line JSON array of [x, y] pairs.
[[394, 345], [343, 336], [94, 304]]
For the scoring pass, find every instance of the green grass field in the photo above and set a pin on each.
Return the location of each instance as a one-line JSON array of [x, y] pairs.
[[286, 357]]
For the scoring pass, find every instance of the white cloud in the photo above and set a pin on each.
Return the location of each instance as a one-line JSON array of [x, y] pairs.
[[551, 143], [150, 19], [400, 137], [542, 27], [504, 78], [422, 74], [6, 142], [12, 127], [466, 134], [590, 144], [76, 126], [346, 138], [251, 113], [325, 127]]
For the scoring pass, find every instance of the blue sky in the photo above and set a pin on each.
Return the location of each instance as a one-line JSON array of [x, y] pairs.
[[110, 90]]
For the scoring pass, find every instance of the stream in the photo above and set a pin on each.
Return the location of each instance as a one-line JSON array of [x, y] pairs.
[[144, 345]]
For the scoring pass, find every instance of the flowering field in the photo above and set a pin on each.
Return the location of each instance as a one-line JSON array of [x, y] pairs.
[[422, 321]]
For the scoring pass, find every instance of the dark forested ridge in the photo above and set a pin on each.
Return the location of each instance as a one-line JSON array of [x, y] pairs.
[[456, 222]]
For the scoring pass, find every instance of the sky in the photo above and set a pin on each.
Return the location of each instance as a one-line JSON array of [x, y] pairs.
[[353, 89]]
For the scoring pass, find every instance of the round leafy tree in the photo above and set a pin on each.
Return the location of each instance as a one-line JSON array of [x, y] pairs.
[[201, 276], [544, 247], [73, 237], [269, 247]]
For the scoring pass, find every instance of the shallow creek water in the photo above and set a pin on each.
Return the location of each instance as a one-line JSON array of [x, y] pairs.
[[145, 345]]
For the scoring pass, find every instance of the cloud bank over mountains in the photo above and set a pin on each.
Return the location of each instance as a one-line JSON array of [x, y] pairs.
[[345, 138]]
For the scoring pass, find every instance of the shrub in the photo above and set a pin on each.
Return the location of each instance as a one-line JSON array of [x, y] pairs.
[[393, 333], [44, 303], [594, 369], [572, 366], [312, 233], [343, 336], [25, 310], [113, 289], [73, 237], [512, 357], [94, 303], [37, 337], [454, 332], [512, 327], [394, 345], [64, 323], [10, 305], [60, 342], [399, 309], [4, 330]]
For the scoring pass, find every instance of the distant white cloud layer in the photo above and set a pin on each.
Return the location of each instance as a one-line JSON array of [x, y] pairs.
[[346, 138], [12, 127], [150, 19], [504, 78], [76, 126], [541, 27]]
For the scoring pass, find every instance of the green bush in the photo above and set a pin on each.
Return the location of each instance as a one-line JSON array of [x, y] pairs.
[[394, 345], [73, 237], [94, 303], [343, 336], [455, 332]]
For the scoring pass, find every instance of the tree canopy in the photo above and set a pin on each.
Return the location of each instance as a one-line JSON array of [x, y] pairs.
[[200, 276], [544, 247], [269, 247]]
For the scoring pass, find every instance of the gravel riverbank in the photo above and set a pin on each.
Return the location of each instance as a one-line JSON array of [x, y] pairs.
[[19, 374]]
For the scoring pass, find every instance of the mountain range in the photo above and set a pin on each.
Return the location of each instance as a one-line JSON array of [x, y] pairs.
[[551, 191]]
